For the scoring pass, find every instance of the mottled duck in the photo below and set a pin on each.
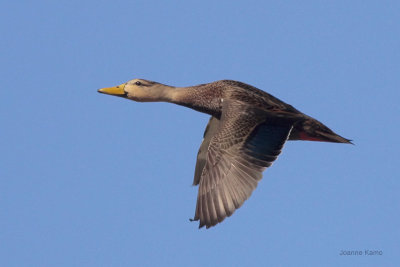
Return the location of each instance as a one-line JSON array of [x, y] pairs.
[[244, 136]]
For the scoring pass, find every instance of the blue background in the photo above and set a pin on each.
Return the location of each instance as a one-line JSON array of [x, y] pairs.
[[94, 180]]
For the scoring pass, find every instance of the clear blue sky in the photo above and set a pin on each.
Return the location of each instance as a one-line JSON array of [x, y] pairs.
[[93, 180]]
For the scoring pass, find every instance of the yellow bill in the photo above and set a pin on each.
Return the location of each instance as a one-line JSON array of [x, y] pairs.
[[117, 90]]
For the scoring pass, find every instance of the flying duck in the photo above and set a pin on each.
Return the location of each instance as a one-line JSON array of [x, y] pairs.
[[245, 134]]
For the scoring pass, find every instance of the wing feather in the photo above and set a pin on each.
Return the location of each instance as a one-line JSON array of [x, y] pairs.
[[235, 151]]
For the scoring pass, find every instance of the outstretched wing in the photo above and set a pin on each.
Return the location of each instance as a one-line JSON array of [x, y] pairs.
[[245, 141], [209, 132]]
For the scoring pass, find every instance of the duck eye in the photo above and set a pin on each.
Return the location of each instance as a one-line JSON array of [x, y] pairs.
[[138, 83]]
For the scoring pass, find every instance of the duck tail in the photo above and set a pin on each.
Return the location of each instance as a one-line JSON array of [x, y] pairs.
[[313, 130]]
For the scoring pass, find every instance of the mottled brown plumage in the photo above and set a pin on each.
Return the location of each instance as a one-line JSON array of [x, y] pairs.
[[246, 132]]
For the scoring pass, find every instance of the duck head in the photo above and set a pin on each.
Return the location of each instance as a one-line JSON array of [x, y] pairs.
[[141, 90]]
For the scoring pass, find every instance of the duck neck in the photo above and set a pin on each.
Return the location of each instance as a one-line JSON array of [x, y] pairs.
[[200, 98]]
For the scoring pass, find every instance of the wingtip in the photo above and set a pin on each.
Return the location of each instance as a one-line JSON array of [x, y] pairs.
[[201, 225]]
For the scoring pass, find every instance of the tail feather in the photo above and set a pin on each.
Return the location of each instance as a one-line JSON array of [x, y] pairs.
[[313, 130], [324, 137]]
